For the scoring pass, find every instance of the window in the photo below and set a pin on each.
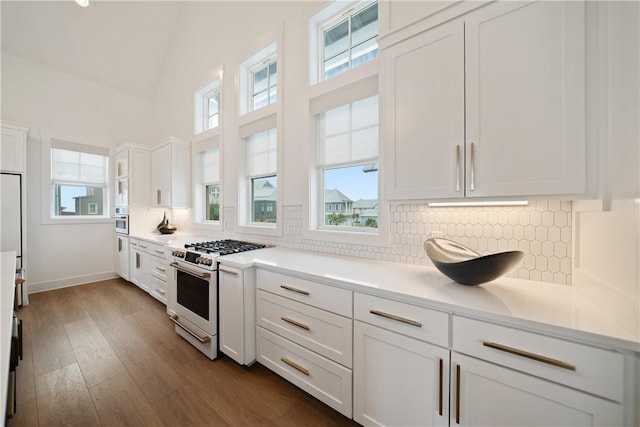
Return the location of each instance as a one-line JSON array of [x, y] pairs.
[[78, 182], [258, 81], [345, 37], [347, 166], [261, 149], [207, 107], [210, 160], [264, 79]]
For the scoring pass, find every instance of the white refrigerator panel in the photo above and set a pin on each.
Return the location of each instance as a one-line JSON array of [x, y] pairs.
[[10, 215]]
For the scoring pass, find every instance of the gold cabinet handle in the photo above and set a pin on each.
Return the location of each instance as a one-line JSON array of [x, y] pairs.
[[159, 196], [294, 365], [397, 318], [119, 244], [457, 394], [160, 291], [292, 289], [159, 252], [528, 355], [119, 168], [137, 260], [457, 167], [440, 386], [472, 185], [224, 270], [295, 323], [119, 187], [203, 340]]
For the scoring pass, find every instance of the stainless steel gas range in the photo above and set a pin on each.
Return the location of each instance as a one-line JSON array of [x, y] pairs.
[[195, 289]]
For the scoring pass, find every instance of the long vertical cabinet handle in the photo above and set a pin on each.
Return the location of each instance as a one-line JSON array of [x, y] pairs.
[[119, 244], [457, 394], [119, 187], [159, 196], [137, 260], [440, 391], [457, 168], [472, 185], [119, 168]]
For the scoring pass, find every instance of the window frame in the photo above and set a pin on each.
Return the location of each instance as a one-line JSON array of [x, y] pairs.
[[48, 183], [200, 145], [200, 110], [264, 64], [326, 18], [312, 229], [264, 56]]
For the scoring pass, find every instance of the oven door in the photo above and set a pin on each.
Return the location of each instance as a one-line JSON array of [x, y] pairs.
[[196, 297]]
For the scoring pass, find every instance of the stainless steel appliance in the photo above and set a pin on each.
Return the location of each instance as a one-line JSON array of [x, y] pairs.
[[196, 290], [122, 223]]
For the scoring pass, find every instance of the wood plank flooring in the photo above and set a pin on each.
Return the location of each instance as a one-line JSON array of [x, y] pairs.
[[106, 354]]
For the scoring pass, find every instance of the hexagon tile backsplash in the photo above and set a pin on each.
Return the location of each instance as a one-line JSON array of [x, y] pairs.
[[541, 229]]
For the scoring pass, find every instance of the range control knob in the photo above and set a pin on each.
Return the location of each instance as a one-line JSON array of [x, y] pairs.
[[179, 254]]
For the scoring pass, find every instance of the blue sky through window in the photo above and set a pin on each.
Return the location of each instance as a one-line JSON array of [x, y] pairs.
[[352, 182]]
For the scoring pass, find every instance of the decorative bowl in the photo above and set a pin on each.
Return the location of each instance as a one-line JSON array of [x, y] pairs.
[[466, 266]]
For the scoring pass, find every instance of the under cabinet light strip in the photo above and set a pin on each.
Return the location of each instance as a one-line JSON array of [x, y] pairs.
[[507, 203]]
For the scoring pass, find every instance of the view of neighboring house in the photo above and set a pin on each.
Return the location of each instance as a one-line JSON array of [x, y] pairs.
[[91, 204], [341, 210], [264, 202]]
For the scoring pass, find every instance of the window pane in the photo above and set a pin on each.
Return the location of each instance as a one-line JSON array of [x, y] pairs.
[[336, 39], [351, 196], [364, 113], [260, 100], [364, 52], [364, 24], [263, 199], [273, 94], [212, 106], [262, 153], [212, 122], [273, 74], [260, 80], [77, 200], [212, 202], [336, 65]]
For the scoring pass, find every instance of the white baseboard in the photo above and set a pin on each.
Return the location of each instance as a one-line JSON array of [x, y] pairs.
[[34, 288]]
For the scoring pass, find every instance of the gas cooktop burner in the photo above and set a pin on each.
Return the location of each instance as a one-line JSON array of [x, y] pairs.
[[223, 247]]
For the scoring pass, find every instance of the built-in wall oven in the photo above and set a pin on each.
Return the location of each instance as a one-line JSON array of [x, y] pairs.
[[122, 220], [195, 287]]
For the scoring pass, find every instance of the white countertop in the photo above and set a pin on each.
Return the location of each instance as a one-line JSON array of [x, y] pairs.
[[537, 306], [7, 293]]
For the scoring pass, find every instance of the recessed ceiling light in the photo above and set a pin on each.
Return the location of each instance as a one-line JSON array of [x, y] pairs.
[[83, 3]]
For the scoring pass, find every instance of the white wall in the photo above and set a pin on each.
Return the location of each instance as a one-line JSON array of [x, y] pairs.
[[607, 246], [63, 106]]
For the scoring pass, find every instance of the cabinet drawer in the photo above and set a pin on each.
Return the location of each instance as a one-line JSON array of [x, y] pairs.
[[418, 322], [590, 369], [325, 333], [317, 375], [158, 268], [155, 250], [323, 296], [158, 289]]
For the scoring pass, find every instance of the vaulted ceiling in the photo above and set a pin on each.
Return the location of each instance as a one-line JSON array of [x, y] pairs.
[[118, 44]]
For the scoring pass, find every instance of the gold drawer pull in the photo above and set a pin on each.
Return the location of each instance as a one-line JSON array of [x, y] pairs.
[[533, 356], [292, 289], [294, 365], [397, 318], [295, 323], [224, 270]]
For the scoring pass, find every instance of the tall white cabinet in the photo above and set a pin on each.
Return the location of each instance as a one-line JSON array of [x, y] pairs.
[[491, 104], [132, 176], [170, 174]]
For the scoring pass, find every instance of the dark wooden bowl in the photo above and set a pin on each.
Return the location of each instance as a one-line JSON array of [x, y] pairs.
[[466, 266]]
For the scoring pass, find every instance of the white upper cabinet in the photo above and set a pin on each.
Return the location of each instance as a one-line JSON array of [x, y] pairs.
[[170, 174], [489, 105], [121, 164], [13, 145], [131, 170]]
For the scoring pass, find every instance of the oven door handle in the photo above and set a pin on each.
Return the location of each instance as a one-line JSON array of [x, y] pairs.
[[198, 274]]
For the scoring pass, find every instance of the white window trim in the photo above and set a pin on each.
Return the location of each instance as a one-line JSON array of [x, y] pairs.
[[269, 52], [199, 109], [312, 229], [327, 16], [46, 185], [199, 145], [245, 226]]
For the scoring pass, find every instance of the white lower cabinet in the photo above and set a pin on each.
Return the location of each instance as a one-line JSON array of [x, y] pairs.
[[531, 379], [304, 333], [148, 268], [485, 394], [122, 256], [398, 380]]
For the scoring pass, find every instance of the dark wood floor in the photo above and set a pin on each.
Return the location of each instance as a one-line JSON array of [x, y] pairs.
[[106, 354]]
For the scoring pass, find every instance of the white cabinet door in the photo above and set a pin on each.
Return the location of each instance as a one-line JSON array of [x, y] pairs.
[[138, 266], [397, 380], [122, 192], [484, 394], [161, 176], [422, 87], [231, 326], [122, 257], [525, 99], [121, 164], [12, 149]]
